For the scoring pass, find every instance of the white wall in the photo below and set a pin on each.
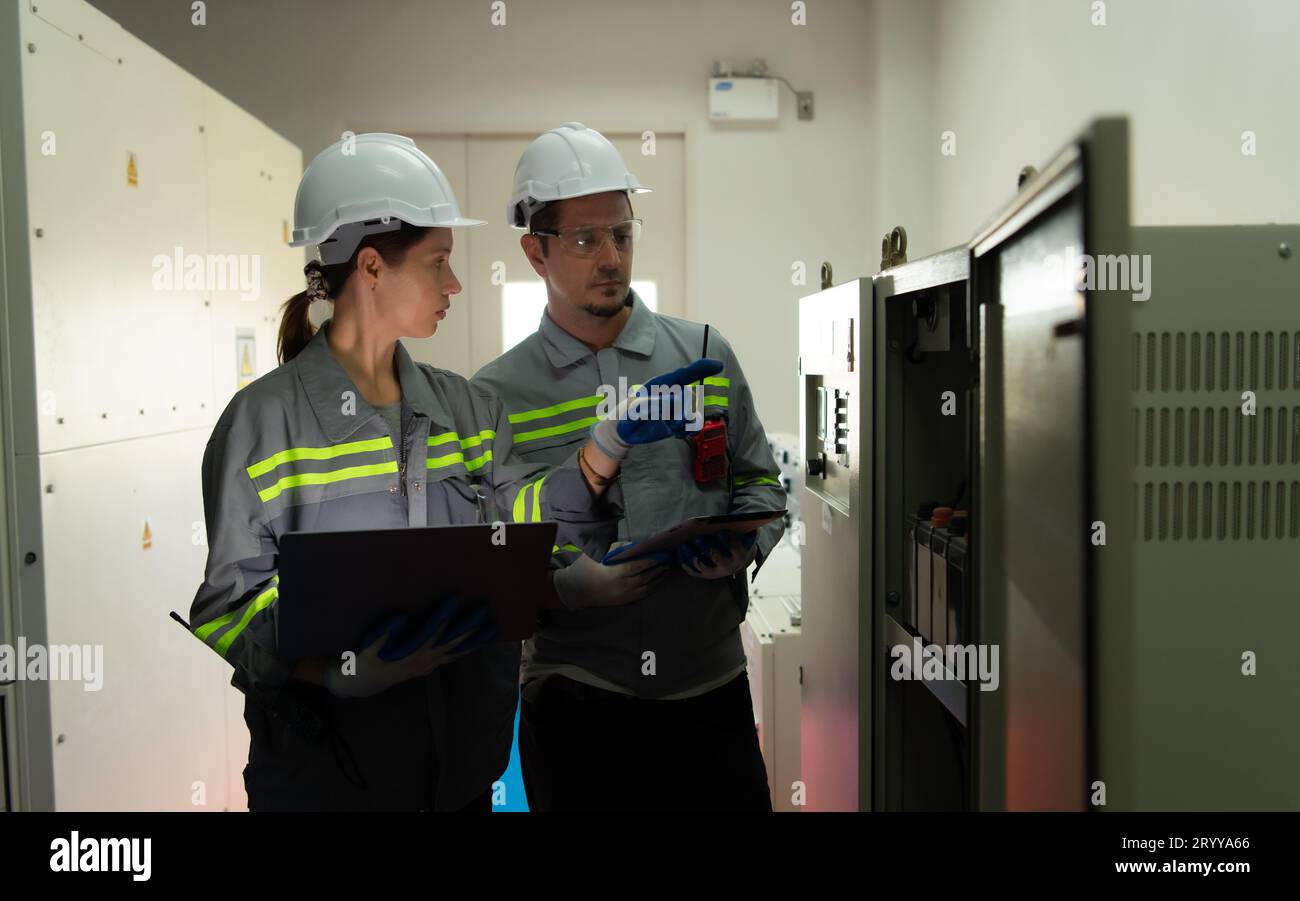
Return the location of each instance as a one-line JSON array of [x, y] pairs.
[[904, 133], [758, 199], [1014, 78]]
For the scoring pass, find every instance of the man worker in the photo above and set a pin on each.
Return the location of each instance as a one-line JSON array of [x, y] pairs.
[[635, 694]]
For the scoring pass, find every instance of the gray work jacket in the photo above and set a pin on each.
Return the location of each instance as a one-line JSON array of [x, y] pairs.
[[551, 384], [300, 450]]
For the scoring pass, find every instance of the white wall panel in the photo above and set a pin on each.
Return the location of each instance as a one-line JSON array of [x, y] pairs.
[[129, 377], [116, 358], [252, 177], [158, 723]]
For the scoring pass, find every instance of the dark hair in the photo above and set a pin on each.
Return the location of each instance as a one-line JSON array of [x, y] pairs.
[[295, 323], [545, 218], [549, 216]]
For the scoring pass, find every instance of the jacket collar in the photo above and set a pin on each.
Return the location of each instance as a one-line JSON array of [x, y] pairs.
[[324, 380], [638, 335]]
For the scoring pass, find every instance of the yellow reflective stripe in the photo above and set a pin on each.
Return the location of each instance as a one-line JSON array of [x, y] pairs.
[[719, 381], [565, 547], [757, 480], [324, 478], [261, 602], [207, 629], [457, 457], [715, 400], [556, 429], [262, 467], [565, 407], [472, 441], [537, 498], [520, 500]]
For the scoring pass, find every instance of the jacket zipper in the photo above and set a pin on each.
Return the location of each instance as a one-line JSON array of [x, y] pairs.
[[401, 456]]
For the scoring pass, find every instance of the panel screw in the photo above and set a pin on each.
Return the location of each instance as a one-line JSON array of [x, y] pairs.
[[892, 598], [31, 48], [40, 233], [1284, 250], [30, 558], [49, 489]]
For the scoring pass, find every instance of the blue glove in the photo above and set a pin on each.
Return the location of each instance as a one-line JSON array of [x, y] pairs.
[[451, 612], [645, 417], [627, 553], [718, 555], [659, 424], [386, 659], [478, 621]]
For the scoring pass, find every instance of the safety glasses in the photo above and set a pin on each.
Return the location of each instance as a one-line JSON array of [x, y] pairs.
[[589, 240]]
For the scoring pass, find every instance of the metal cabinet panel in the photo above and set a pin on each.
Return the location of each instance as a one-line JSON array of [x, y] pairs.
[[835, 348], [114, 186], [157, 724]]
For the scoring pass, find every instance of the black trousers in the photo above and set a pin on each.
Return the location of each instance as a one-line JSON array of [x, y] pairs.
[[584, 748], [375, 754]]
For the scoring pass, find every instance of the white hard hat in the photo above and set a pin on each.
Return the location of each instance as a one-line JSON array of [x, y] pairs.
[[570, 161], [365, 184]]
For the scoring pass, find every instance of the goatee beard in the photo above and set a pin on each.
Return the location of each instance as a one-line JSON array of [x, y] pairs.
[[608, 312], [604, 312]]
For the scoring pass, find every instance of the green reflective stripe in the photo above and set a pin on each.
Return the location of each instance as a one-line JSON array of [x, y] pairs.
[[262, 467], [717, 380], [565, 547], [565, 407], [520, 499], [556, 429], [537, 498], [205, 630], [457, 457], [757, 480], [715, 400], [324, 478], [261, 602], [472, 441]]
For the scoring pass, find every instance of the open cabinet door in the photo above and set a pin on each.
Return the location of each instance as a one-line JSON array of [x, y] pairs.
[[1052, 465]]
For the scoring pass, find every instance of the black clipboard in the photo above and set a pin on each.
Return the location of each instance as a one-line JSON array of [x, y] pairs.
[[336, 586], [695, 527]]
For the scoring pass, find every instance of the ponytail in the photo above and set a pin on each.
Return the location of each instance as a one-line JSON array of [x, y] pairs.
[[295, 327]]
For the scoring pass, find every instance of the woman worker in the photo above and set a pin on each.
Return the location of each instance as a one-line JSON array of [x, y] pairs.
[[350, 433]]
